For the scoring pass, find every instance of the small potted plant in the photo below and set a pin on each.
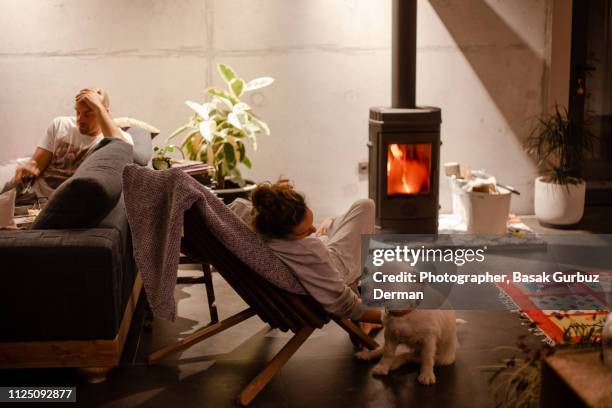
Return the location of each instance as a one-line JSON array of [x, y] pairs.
[[217, 131], [559, 141], [160, 159]]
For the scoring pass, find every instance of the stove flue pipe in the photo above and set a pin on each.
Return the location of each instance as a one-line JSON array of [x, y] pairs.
[[403, 92]]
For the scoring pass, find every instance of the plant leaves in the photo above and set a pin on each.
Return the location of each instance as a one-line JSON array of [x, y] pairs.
[[223, 94], [234, 120], [243, 117], [235, 175], [559, 142], [202, 152], [241, 151], [207, 129], [201, 110], [187, 149], [187, 144], [246, 161], [230, 157], [219, 151], [223, 105], [240, 107], [258, 83], [226, 72], [178, 131], [217, 130], [263, 126], [237, 155], [250, 128], [196, 144], [232, 140], [237, 86]]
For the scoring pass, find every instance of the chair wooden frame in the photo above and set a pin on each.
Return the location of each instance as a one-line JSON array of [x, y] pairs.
[[280, 309], [206, 279]]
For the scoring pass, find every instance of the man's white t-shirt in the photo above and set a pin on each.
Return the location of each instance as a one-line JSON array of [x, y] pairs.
[[69, 148]]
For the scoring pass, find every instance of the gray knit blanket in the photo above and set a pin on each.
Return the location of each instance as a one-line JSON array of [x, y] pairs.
[[155, 203]]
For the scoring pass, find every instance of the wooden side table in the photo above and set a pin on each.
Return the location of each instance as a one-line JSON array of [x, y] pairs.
[[576, 378]]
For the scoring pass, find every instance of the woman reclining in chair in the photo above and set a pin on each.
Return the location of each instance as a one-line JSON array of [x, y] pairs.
[[327, 259]]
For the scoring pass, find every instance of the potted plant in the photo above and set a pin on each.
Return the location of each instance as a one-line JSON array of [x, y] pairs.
[[517, 381], [160, 159], [558, 141], [217, 131]]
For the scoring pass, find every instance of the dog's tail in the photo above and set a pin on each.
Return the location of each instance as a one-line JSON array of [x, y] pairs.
[[460, 321]]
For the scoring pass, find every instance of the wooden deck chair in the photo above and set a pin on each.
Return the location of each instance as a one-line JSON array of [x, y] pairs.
[[280, 309]]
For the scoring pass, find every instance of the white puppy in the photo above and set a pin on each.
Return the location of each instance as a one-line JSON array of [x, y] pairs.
[[431, 336]]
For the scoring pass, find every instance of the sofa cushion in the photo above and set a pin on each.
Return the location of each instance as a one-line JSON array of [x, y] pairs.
[[86, 198]]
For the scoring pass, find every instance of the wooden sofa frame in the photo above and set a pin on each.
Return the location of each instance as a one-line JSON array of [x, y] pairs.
[[95, 358]]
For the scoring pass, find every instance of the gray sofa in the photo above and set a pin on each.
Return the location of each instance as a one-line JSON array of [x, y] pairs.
[[70, 283]]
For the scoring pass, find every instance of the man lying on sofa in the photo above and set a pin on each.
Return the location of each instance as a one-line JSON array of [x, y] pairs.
[[69, 140]]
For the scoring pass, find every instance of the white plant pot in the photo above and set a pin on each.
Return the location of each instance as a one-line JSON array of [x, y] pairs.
[[559, 204]]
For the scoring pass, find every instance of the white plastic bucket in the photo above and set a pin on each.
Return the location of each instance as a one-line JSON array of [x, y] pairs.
[[460, 199], [488, 213]]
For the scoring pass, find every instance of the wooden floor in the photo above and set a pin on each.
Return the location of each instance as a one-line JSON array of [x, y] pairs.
[[322, 373]]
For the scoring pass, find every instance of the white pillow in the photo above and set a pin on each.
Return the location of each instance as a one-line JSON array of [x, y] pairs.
[[127, 122]]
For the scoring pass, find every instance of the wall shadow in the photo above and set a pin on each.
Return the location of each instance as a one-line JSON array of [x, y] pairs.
[[504, 63]]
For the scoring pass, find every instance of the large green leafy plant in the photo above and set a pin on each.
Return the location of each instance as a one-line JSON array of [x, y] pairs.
[[559, 141], [217, 131]]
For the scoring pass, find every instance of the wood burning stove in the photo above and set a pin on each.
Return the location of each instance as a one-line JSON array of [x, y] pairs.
[[404, 161], [405, 142]]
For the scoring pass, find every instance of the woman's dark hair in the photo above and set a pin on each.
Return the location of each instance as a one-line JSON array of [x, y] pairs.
[[277, 208]]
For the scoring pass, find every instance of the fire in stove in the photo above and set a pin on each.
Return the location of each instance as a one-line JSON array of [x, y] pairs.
[[408, 168]]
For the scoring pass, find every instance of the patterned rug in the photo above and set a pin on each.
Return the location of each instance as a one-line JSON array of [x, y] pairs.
[[552, 307]]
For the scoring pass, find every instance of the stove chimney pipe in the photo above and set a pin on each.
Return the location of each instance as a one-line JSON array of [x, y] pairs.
[[403, 92]]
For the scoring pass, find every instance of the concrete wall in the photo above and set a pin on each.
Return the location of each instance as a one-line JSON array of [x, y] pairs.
[[560, 40], [483, 62]]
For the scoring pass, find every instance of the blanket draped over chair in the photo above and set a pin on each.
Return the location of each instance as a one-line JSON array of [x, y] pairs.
[[155, 203]]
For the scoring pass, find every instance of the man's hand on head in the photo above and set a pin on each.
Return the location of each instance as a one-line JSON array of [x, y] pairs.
[[92, 97], [98, 91], [97, 100]]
